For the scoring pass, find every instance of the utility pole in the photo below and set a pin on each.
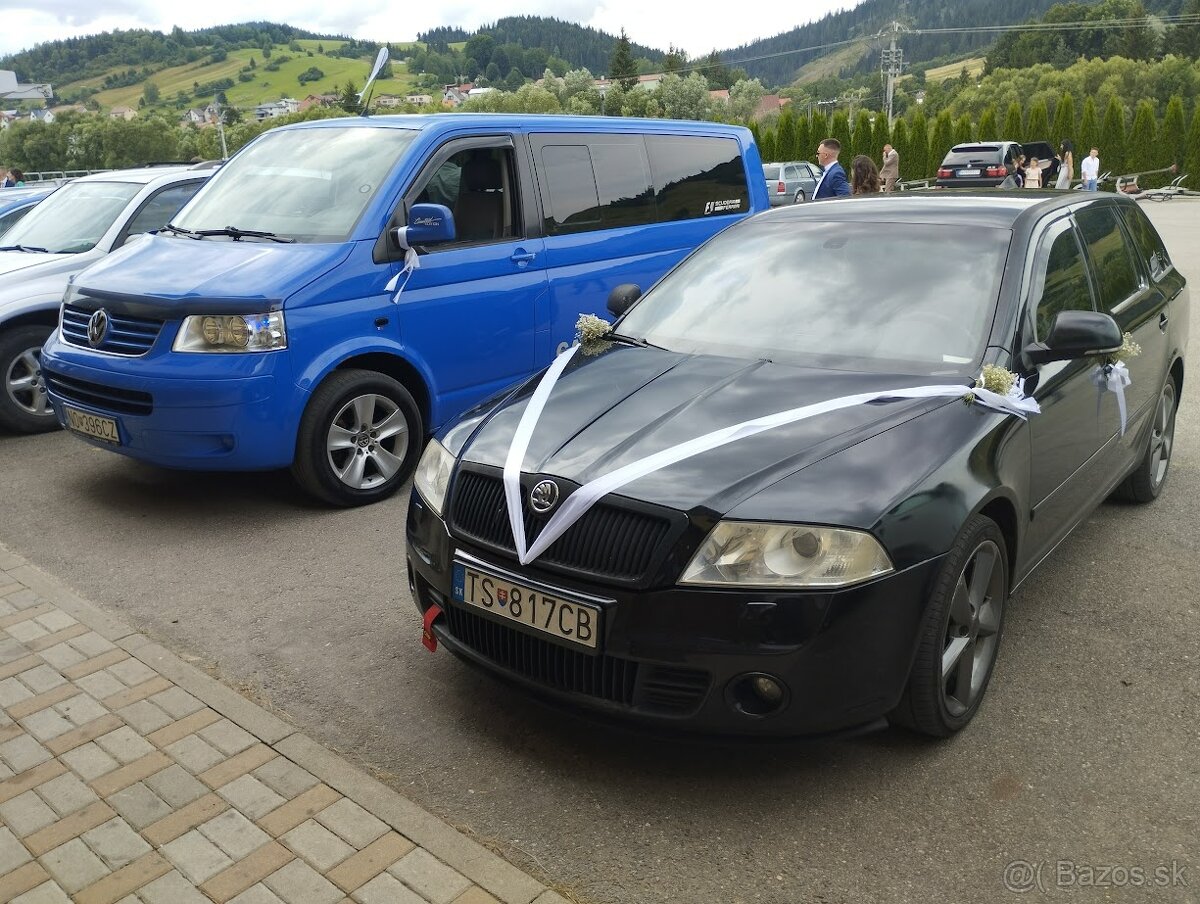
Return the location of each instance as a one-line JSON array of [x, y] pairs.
[[891, 65]]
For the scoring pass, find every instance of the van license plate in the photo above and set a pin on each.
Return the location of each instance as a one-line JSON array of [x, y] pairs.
[[93, 425], [968, 172], [553, 614]]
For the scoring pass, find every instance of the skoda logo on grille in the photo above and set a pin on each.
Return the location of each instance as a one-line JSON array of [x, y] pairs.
[[544, 496], [97, 328]]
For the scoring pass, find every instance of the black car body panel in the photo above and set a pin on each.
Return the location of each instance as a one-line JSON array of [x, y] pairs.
[[911, 473]]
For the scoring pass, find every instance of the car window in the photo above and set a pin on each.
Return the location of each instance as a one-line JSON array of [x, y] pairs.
[[771, 172], [7, 220], [1111, 254], [595, 182], [479, 187], [74, 218], [1148, 243], [1060, 281], [157, 212], [697, 176]]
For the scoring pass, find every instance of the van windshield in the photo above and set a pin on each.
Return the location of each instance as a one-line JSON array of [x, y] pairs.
[[308, 185]]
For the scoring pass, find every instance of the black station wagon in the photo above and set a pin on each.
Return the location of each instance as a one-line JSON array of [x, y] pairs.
[[828, 572]]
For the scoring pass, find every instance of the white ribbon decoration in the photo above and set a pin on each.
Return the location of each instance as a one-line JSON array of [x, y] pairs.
[[412, 261], [579, 502], [1114, 378]]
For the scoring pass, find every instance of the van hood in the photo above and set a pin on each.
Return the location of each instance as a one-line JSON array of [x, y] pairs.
[[196, 276]]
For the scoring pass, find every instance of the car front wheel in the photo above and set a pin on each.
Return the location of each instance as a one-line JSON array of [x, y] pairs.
[[359, 439], [960, 635], [24, 405]]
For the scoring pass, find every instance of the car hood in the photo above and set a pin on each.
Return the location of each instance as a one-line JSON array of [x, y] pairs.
[[608, 411], [36, 263], [163, 271]]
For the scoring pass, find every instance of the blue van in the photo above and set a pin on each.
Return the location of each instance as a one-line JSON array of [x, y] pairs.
[[341, 288]]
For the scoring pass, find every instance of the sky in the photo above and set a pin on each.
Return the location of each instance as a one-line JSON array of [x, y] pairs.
[[652, 24]]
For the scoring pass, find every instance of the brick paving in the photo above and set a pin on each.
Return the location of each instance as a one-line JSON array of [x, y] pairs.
[[129, 777]]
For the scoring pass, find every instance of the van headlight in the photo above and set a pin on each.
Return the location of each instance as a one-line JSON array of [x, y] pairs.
[[751, 554], [232, 333], [433, 475]]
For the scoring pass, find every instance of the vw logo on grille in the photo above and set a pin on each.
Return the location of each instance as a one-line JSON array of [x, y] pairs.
[[97, 328], [544, 496]]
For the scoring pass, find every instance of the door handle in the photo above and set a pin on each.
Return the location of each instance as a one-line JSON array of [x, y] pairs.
[[522, 257], [1163, 320]]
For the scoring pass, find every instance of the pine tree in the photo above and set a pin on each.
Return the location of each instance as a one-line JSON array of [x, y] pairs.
[[1039, 123], [1170, 140], [1064, 123], [1089, 133], [786, 135], [861, 141], [918, 147], [1141, 153], [942, 141], [964, 130], [348, 98], [880, 135], [840, 129], [1014, 124], [900, 144], [767, 146], [622, 68], [1192, 161], [1112, 138], [987, 124], [803, 148]]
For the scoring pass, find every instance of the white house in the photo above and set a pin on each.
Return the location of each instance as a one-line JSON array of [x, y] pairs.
[[418, 100], [280, 107], [46, 116]]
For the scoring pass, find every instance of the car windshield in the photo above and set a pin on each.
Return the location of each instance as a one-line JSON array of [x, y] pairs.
[[74, 218], [875, 297], [309, 185]]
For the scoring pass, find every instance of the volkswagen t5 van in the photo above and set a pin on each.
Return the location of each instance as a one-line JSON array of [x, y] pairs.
[[341, 288]]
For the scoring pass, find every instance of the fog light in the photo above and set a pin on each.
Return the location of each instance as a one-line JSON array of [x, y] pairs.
[[757, 694]]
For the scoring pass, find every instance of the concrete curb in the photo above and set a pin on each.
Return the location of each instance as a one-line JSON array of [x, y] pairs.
[[494, 874]]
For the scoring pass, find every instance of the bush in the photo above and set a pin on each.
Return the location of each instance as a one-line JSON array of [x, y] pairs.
[[311, 74]]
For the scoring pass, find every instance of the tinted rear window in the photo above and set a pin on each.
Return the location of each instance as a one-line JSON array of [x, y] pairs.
[[770, 173], [975, 154], [697, 177]]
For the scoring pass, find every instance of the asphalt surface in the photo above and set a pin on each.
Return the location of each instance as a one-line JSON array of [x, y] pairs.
[[1086, 750]]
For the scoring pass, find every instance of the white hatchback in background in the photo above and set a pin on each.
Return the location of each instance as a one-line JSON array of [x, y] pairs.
[[78, 224]]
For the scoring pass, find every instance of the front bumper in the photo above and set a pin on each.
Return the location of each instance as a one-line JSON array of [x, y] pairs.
[[681, 658], [194, 412]]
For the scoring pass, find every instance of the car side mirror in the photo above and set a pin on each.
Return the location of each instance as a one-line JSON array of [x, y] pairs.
[[1074, 335], [428, 224], [621, 298]]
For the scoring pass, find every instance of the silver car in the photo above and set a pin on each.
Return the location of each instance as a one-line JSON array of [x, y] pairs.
[[791, 183]]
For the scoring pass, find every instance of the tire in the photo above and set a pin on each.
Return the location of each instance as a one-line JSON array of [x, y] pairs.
[[1147, 480], [24, 405], [960, 634], [359, 440], [799, 197]]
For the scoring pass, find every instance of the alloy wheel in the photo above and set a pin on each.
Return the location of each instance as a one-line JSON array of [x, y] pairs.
[[25, 384], [367, 441], [1162, 439], [972, 633]]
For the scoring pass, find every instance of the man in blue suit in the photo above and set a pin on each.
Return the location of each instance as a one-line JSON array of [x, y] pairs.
[[833, 182]]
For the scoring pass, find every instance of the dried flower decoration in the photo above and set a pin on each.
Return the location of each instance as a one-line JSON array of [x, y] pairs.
[[1129, 349], [590, 332]]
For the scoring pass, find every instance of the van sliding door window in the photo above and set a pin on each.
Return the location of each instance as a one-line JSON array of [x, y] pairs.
[[597, 182], [697, 177]]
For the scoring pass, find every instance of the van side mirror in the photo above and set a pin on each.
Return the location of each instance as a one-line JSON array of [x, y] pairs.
[[1074, 335], [621, 298], [427, 225]]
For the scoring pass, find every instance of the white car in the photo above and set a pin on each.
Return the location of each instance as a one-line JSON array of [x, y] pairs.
[[78, 224]]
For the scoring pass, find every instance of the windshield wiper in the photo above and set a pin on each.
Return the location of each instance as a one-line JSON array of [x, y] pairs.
[[179, 230], [630, 340], [238, 234], [24, 248]]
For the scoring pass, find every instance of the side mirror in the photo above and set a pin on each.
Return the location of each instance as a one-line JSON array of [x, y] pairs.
[[621, 298], [427, 225], [1073, 335]]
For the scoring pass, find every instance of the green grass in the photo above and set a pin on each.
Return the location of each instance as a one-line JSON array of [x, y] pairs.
[[974, 67], [265, 87], [831, 64]]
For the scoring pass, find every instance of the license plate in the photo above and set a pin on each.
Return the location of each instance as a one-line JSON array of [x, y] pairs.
[[93, 425], [968, 172], [548, 613]]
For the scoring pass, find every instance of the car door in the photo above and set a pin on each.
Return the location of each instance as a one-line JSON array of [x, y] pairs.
[[470, 310], [1065, 436]]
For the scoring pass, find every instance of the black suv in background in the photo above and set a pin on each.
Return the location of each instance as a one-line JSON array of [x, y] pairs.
[[986, 164]]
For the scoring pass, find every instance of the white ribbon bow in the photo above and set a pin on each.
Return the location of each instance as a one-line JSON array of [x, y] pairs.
[[1113, 378], [579, 502], [412, 261]]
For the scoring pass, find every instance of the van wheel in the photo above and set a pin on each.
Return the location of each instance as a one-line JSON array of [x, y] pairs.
[[359, 440], [24, 405]]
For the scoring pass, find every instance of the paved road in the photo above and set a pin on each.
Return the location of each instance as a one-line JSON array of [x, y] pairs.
[[1086, 749]]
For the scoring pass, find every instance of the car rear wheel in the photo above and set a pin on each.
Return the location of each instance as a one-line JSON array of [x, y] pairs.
[[24, 405], [960, 635], [359, 439], [1148, 479], [799, 198]]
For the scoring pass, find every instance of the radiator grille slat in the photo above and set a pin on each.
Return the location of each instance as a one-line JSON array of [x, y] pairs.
[[132, 336]]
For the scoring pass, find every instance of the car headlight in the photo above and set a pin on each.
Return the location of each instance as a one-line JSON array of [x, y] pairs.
[[232, 333], [753, 554], [433, 475]]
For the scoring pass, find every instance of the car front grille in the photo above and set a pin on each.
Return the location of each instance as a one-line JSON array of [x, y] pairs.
[[606, 542], [97, 395], [131, 336]]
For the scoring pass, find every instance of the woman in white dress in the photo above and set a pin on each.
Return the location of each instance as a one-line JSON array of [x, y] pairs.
[[1066, 168]]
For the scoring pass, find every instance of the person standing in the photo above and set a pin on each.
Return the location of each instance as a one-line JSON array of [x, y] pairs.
[[1089, 170], [864, 176], [890, 171], [1066, 165], [6, 180], [833, 182], [1033, 173]]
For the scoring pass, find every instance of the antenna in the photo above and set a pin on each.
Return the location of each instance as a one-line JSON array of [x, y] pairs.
[[380, 59]]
